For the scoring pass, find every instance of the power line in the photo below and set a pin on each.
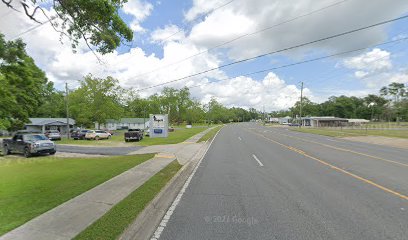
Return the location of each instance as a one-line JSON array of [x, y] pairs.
[[278, 51], [245, 35], [302, 62], [162, 41], [32, 28]]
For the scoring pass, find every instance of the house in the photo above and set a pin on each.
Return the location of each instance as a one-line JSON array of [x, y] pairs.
[[44, 124], [123, 123], [273, 120], [324, 121], [285, 120]]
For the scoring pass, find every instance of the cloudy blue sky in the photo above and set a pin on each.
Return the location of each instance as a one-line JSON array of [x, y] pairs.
[[167, 35]]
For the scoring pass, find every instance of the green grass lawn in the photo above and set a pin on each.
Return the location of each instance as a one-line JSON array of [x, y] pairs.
[[210, 134], [178, 136], [354, 132], [115, 221], [29, 187], [117, 137]]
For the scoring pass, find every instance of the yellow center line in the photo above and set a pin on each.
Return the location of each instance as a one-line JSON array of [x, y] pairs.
[[345, 150], [405, 197]]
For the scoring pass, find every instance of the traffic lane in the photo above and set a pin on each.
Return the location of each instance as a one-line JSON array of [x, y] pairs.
[[290, 197], [382, 151], [388, 173], [221, 196], [97, 150], [347, 207]]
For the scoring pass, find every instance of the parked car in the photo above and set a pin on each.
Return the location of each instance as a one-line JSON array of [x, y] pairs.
[[79, 134], [53, 135], [28, 144], [134, 134], [97, 135]]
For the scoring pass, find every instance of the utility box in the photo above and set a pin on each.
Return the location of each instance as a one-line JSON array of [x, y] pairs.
[[159, 125]]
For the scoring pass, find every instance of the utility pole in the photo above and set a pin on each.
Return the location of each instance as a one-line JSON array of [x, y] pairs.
[[301, 103], [66, 107], [264, 120], [144, 118]]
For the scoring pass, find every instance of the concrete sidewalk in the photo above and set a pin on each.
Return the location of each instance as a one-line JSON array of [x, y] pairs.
[[72, 217], [184, 151]]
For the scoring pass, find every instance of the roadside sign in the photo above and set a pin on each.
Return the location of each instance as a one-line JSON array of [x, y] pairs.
[[159, 125]]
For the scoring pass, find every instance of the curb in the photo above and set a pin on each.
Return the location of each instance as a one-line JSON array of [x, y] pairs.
[[147, 221]]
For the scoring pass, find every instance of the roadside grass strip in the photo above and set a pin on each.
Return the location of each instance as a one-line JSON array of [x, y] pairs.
[[354, 132], [178, 136], [115, 221], [210, 134], [115, 138], [30, 187]]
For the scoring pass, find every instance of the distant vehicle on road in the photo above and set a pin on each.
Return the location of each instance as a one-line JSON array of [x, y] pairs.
[[79, 134], [29, 144], [53, 135], [134, 134], [97, 135]]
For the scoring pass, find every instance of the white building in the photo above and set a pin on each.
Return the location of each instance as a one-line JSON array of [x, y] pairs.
[[285, 120], [124, 123], [357, 122], [326, 121]]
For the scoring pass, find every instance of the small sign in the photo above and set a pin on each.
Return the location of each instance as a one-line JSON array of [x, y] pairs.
[[159, 126]]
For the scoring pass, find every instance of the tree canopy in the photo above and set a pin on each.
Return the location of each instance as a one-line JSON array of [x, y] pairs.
[[23, 86], [97, 22]]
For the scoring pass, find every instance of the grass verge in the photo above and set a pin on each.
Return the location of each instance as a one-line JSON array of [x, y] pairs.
[[354, 132], [210, 134], [115, 221], [178, 136], [30, 187], [116, 138]]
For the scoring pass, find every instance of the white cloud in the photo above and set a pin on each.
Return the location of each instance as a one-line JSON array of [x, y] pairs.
[[374, 62], [139, 10], [242, 16], [400, 77], [271, 92], [224, 24], [168, 33]]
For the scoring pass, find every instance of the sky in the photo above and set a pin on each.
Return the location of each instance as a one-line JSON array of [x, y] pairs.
[[174, 39]]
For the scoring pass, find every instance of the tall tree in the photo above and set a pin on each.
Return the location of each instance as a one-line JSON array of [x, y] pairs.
[[96, 100], [396, 91], [24, 85], [97, 22]]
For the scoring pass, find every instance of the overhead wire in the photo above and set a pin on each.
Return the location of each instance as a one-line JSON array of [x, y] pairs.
[[164, 40], [277, 51], [243, 36], [302, 62]]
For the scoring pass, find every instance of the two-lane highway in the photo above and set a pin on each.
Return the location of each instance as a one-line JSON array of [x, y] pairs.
[[257, 182]]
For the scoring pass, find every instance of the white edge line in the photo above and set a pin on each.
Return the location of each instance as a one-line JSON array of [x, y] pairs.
[[260, 163], [167, 216]]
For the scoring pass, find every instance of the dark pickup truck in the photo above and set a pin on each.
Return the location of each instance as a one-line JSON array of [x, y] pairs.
[[29, 144], [134, 134]]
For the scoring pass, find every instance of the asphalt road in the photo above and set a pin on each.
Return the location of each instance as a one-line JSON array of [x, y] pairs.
[[260, 182], [97, 150]]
